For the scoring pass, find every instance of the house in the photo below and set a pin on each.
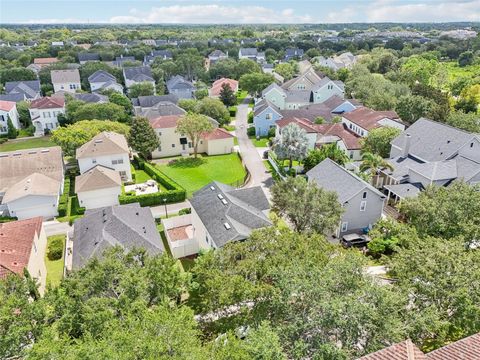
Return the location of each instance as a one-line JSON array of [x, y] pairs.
[[66, 80], [102, 80], [43, 62], [465, 349], [35, 68], [293, 54], [429, 152], [305, 81], [362, 203], [251, 54], [327, 88], [157, 54], [163, 108], [362, 120], [108, 149], [23, 245], [220, 214], [85, 57], [15, 97], [345, 60], [217, 85], [29, 89], [31, 182], [57, 44], [91, 98], [8, 110], [44, 113], [137, 75], [121, 60], [98, 187], [218, 141], [265, 116], [143, 103], [180, 87], [128, 226], [216, 56]]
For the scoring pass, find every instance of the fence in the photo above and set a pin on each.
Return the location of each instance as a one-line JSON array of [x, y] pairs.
[[273, 161]]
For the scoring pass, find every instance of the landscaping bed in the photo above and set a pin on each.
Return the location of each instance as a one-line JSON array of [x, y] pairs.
[[55, 267]]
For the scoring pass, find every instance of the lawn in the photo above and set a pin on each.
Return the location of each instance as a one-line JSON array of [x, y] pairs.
[[193, 174], [261, 142], [26, 144], [141, 177], [241, 95], [55, 267]]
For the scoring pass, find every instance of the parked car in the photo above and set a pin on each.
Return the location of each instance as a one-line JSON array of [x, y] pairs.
[[354, 240]]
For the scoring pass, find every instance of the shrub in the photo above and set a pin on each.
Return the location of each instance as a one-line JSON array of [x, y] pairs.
[[172, 196], [185, 211], [55, 249], [3, 140], [4, 219], [76, 209], [233, 111], [63, 201], [271, 132], [250, 117], [251, 131]]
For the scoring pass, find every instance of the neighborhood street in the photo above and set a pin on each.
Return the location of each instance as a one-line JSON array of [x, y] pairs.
[[55, 227]]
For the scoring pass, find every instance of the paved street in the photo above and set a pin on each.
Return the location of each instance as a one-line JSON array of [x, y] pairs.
[[251, 157]]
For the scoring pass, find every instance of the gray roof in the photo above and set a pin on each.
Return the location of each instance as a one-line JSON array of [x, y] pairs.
[[432, 141], [262, 105], [138, 73], [16, 97], [243, 211], [298, 96], [30, 88], [91, 98], [312, 111], [163, 108], [324, 81], [163, 54], [271, 87], [437, 170], [152, 100], [101, 76], [127, 226], [333, 177], [119, 60], [248, 52], [217, 53], [404, 191], [400, 166], [292, 52], [178, 81], [88, 56]]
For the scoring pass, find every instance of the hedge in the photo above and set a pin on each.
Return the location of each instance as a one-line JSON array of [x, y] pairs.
[[4, 219], [63, 201], [55, 249], [161, 178]]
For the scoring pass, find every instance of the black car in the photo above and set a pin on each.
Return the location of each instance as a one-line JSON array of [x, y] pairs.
[[354, 240]]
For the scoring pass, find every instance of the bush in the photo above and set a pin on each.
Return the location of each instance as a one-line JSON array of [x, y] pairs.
[[233, 111], [76, 209], [250, 117], [251, 131], [63, 201], [55, 249], [3, 140], [4, 219], [271, 132], [185, 211]]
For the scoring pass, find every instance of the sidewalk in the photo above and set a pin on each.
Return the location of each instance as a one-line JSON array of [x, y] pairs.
[[172, 209]]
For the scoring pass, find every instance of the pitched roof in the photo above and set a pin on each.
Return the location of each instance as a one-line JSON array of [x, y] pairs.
[[105, 143], [229, 214], [65, 76], [7, 105], [273, 86], [309, 75], [138, 73], [164, 122], [91, 98], [465, 349], [16, 97], [304, 124], [45, 61], [248, 51], [152, 100], [367, 118], [217, 53], [17, 165], [298, 96], [406, 350], [351, 140], [333, 177], [178, 80], [48, 103], [30, 88], [217, 85], [100, 177], [85, 56], [217, 134], [127, 226], [101, 76], [162, 108], [33, 184], [433, 141], [16, 239]]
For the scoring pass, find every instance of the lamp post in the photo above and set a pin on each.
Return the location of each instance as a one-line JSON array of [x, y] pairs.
[[165, 203]]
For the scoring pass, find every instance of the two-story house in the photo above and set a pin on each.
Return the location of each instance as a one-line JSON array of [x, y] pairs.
[[85, 57], [179, 86], [362, 120], [215, 56], [327, 88], [8, 110], [251, 54], [66, 80], [293, 54], [137, 75], [107, 149], [102, 80], [362, 203], [44, 113], [157, 54], [265, 116], [26, 90]]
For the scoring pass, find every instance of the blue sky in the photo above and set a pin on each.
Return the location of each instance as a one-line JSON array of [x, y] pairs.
[[222, 11]]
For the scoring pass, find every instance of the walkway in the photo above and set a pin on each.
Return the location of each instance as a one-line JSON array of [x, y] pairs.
[[55, 227], [172, 209], [252, 159]]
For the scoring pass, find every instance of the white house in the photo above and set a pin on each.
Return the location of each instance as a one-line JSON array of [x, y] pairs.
[[107, 149], [362, 120], [44, 113], [66, 80], [98, 187], [8, 110], [102, 80], [137, 75]]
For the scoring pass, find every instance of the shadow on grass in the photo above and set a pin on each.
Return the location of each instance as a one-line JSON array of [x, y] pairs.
[[187, 163]]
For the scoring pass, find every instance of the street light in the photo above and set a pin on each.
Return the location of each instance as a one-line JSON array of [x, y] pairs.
[[165, 203]]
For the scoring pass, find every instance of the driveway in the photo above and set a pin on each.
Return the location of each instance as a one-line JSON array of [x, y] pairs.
[[54, 227], [252, 159]]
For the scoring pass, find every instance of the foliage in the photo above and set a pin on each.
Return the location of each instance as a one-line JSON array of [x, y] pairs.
[[141, 89], [440, 107], [143, 137], [24, 113], [55, 249], [227, 96], [16, 74], [95, 111], [121, 100], [251, 131], [388, 234], [213, 108], [410, 108], [254, 83], [298, 200], [466, 58], [292, 144], [330, 151], [287, 70], [374, 163], [73, 136], [246, 66], [90, 67], [469, 122], [378, 141], [193, 126], [12, 132]]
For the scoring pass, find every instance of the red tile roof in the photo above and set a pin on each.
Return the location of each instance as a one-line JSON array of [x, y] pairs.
[[351, 140], [48, 103], [7, 105], [368, 118], [45, 61], [465, 349], [406, 350], [16, 239], [217, 134], [163, 122], [217, 86], [303, 123]]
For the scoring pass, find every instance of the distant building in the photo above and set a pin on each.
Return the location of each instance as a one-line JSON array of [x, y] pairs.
[[157, 54], [85, 57], [29, 89], [66, 80], [293, 54], [252, 54], [102, 80], [137, 75], [179, 86], [42, 62]]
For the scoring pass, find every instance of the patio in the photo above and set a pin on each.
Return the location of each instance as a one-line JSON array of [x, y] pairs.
[[148, 187]]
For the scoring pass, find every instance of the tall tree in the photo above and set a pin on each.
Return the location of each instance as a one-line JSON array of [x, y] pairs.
[[12, 132], [141, 89], [254, 83], [24, 113], [330, 151], [194, 126], [292, 144], [16, 74], [410, 108], [308, 207], [142, 137], [374, 163], [227, 96], [378, 141]]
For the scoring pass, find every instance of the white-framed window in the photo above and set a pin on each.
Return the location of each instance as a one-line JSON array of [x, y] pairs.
[[72, 86], [46, 114], [344, 226], [173, 145], [268, 116], [160, 148], [364, 195], [363, 206]]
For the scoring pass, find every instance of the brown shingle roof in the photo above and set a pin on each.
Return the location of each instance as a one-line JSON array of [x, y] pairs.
[[105, 143], [16, 240], [406, 350], [368, 118], [217, 134], [164, 122], [45, 61], [305, 124], [99, 177], [465, 349], [351, 140], [65, 76], [48, 103]]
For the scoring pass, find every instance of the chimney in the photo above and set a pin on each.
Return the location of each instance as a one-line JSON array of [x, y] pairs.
[[406, 145]]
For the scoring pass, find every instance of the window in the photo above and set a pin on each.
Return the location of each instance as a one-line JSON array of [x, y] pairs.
[[351, 154], [173, 145], [159, 133], [363, 206], [190, 145], [344, 226], [94, 161], [268, 116], [117, 161], [471, 145], [2, 118], [72, 86], [46, 114], [364, 196]]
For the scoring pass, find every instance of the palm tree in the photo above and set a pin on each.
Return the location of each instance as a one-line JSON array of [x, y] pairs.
[[333, 152], [292, 144], [374, 163]]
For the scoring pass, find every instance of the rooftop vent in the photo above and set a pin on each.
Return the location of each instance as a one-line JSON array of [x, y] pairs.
[[212, 188], [45, 151], [98, 141], [224, 202], [227, 226], [220, 196]]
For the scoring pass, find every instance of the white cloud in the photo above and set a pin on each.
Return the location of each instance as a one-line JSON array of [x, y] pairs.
[[213, 13]]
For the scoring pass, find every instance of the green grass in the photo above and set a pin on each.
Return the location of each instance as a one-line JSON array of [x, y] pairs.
[[229, 127], [235, 141], [26, 144], [262, 142], [55, 267], [241, 95], [193, 174], [141, 177]]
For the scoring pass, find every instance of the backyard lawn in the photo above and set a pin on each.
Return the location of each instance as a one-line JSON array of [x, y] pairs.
[[193, 174], [141, 177], [262, 142], [26, 144], [55, 267]]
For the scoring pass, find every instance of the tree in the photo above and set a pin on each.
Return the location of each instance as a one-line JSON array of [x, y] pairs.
[[466, 58], [308, 207], [73, 136], [410, 108], [141, 89], [387, 235], [286, 70], [292, 144], [213, 108], [254, 83], [374, 163], [79, 110], [24, 113], [16, 74], [194, 126], [330, 151], [142, 137], [378, 141], [12, 132], [227, 96], [225, 68], [122, 100], [246, 66], [469, 122]]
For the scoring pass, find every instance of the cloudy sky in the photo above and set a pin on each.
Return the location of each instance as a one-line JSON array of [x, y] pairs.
[[234, 11]]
